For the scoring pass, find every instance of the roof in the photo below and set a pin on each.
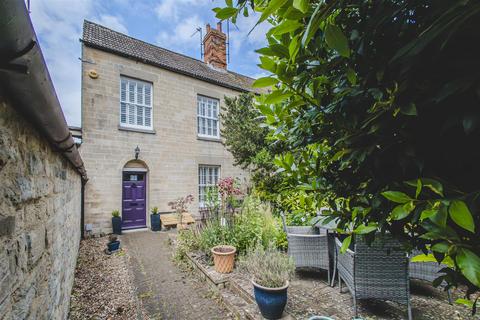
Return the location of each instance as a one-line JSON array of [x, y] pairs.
[[102, 38]]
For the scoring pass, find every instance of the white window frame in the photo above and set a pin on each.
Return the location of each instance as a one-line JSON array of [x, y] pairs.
[[205, 100], [205, 183], [136, 104]]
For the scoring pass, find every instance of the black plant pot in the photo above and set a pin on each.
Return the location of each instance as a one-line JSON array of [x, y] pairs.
[[155, 222], [117, 225], [113, 246]]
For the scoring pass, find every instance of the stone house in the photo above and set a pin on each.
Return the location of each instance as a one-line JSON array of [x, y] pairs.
[[150, 124]]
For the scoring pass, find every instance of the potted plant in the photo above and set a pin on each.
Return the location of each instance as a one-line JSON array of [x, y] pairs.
[[271, 271], [116, 222], [224, 255], [180, 206], [113, 243], [155, 220], [224, 258]]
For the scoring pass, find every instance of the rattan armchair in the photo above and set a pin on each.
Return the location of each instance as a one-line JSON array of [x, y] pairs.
[[308, 246], [426, 271], [378, 271]]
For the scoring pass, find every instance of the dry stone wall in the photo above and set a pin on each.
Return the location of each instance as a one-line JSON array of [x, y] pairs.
[[40, 203]]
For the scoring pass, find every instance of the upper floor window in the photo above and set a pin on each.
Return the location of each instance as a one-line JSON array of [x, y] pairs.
[[207, 117], [135, 103]]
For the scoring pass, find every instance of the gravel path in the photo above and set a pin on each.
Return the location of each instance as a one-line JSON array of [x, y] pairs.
[[165, 291], [103, 286]]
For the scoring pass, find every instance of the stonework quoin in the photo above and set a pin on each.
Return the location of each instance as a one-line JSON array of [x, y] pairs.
[[215, 46]]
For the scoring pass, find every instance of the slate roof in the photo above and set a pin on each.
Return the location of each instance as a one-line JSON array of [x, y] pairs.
[[102, 38]]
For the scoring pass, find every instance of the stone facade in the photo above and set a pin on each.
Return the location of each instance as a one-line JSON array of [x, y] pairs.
[[171, 152], [39, 223]]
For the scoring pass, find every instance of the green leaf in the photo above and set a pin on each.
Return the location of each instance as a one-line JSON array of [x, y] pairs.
[[301, 5], [336, 40], [272, 6], [364, 229], [294, 48], [461, 215], [427, 214], [409, 109], [286, 26], [441, 247], [267, 64], [396, 196], [418, 189], [433, 185], [469, 264], [264, 82], [402, 211], [267, 51], [424, 258], [226, 13], [279, 50], [351, 76], [277, 96], [345, 244]]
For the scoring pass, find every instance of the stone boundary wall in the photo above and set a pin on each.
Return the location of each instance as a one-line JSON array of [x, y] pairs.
[[40, 203]]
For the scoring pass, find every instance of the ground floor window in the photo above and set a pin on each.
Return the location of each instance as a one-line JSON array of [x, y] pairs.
[[207, 177]]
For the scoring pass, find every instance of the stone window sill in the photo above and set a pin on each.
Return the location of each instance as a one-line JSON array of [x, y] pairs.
[[209, 139], [136, 130]]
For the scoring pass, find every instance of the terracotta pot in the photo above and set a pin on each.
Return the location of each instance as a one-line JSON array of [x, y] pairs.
[[224, 258]]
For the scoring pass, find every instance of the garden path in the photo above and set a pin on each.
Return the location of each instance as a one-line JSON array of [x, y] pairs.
[[165, 291]]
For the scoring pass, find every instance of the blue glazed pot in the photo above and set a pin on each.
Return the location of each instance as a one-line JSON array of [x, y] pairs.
[[113, 246], [270, 301]]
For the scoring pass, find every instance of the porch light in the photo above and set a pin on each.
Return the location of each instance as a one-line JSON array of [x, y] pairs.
[[137, 152]]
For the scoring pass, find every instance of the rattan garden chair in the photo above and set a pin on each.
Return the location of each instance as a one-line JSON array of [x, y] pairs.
[[308, 246], [426, 271], [378, 271]]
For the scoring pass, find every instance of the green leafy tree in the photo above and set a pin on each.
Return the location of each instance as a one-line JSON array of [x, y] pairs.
[[246, 139], [377, 105]]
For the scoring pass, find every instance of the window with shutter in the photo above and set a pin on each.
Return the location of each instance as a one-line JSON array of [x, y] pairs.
[[207, 177], [207, 117], [135, 104]]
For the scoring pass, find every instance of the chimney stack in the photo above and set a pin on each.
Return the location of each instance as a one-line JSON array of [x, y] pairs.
[[215, 46]]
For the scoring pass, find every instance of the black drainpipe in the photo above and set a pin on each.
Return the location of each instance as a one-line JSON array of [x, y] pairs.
[[82, 211]]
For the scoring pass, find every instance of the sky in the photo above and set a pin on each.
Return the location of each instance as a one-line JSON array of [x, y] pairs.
[[166, 23]]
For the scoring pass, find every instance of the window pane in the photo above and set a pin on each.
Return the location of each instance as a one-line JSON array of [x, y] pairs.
[[131, 114], [131, 91], [148, 117], [148, 93], [123, 113], [139, 93], [215, 130], [215, 114], [209, 126], [139, 116]]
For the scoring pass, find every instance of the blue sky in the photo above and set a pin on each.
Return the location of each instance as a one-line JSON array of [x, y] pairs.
[[166, 23]]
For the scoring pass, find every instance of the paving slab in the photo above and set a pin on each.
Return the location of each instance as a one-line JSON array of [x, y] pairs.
[[167, 292]]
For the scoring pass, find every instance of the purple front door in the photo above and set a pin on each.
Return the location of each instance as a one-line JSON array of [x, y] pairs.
[[133, 200]]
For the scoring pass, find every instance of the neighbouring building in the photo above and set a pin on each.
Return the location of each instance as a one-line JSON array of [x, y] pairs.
[[150, 124], [42, 176]]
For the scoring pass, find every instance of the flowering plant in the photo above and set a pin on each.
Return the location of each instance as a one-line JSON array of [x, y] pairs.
[[180, 205], [228, 188]]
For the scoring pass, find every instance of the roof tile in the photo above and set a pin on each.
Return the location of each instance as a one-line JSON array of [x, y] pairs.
[[100, 37]]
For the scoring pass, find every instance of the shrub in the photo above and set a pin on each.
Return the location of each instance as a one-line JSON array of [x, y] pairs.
[[268, 267], [115, 213], [187, 241]]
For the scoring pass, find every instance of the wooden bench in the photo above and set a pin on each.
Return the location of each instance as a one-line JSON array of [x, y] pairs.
[[171, 219]]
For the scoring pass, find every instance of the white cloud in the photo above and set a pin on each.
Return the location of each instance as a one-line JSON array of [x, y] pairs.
[[180, 38], [58, 24], [171, 9], [112, 22]]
